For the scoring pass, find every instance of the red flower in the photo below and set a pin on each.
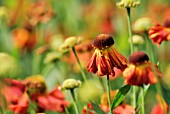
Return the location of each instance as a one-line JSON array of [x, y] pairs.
[[21, 106], [105, 57], [141, 71], [158, 33], [15, 96], [53, 101]]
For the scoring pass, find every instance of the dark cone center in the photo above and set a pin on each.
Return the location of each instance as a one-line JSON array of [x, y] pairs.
[[103, 40], [138, 57]]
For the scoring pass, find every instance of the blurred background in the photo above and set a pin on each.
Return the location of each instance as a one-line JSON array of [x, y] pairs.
[[32, 32]]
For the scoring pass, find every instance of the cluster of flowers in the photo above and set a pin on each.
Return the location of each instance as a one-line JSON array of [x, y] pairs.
[[17, 95], [138, 70]]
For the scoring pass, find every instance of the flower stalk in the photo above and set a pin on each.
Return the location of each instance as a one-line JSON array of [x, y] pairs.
[[81, 68], [108, 93], [74, 100], [132, 50], [130, 30], [143, 101]]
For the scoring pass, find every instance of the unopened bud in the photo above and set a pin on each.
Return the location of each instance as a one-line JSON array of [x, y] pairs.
[[52, 57], [137, 39], [70, 84], [142, 24], [71, 42]]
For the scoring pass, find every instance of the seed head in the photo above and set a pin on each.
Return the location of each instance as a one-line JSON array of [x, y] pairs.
[[103, 41]]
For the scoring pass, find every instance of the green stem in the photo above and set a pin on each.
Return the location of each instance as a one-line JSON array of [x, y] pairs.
[[130, 30], [2, 108], [143, 102], [108, 93], [134, 96], [132, 50], [74, 101], [81, 68], [149, 47]]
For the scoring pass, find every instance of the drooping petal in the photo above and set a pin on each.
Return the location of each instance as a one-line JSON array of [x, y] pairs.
[[159, 33], [91, 67]]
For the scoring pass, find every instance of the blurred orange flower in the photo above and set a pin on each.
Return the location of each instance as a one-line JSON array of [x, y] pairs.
[[15, 96], [141, 70], [40, 12], [159, 107], [158, 33], [53, 101], [121, 109], [24, 39], [105, 57]]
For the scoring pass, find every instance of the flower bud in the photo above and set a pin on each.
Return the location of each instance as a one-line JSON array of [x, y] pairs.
[[8, 66], [137, 39], [90, 90], [56, 41], [52, 57], [3, 12], [128, 3], [70, 84], [142, 24], [71, 42]]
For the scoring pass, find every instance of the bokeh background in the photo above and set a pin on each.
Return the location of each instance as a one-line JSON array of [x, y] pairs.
[[30, 30]]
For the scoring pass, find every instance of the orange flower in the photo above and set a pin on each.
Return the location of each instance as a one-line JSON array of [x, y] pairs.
[[159, 107], [124, 109], [53, 101], [141, 70], [121, 109], [158, 33], [15, 96], [105, 57], [24, 38], [40, 12], [90, 109]]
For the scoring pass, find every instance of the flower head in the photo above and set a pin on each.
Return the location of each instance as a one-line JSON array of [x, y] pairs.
[[70, 84], [52, 57], [8, 66], [128, 3], [159, 107], [141, 71], [90, 91], [142, 24], [35, 85], [71, 42], [52, 101], [105, 57], [40, 12], [137, 39], [158, 33], [15, 96], [24, 38]]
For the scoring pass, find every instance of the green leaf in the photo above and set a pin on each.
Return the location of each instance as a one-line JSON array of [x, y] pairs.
[[166, 92], [97, 109], [120, 96]]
